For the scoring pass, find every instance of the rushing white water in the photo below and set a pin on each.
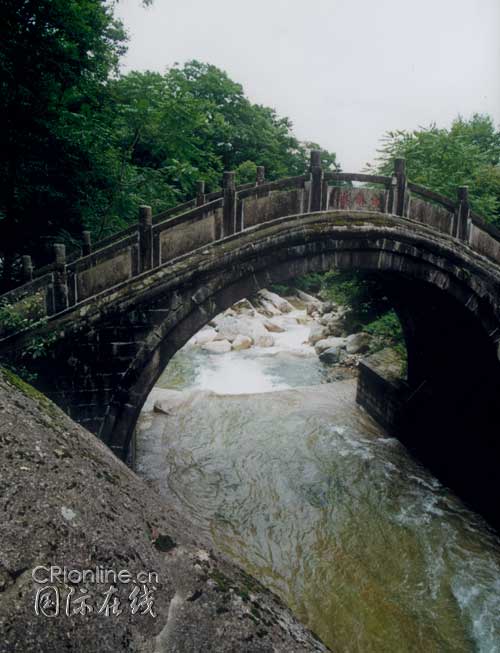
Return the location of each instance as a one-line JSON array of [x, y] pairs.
[[311, 496], [253, 371]]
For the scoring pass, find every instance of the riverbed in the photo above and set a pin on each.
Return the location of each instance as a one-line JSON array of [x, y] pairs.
[[299, 486]]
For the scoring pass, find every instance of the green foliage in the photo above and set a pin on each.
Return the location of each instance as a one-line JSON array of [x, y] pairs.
[[386, 331], [19, 317], [363, 293], [442, 159], [55, 58]]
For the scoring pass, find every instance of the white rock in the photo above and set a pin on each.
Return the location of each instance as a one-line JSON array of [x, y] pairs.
[[207, 334], [217, 346], [230, 327], [264, 341], [317, 333], [278, 302], [243, 307], [242, 342], [308, 299], [272, 326], [267, 308], [328, 343]]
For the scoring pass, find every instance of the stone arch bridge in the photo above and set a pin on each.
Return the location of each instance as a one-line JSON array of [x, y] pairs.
[[120, 311]]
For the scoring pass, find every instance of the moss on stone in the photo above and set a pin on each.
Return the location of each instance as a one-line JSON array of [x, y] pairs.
[[32, 393]]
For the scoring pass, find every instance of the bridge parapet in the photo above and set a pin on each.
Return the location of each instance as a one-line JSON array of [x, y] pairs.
[[156, 240]]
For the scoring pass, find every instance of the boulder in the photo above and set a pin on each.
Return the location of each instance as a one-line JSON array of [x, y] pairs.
[[267, 308], [327, 307], [272, 326], [308, 299], [264, 340], [217, 346], [358, 343], [68, 501], [326, 318], [328, 343], [317, 333], [207, 334], [242, 342], [230, 327], [243, 307], [278, 302], [331, 356], [336, 328]]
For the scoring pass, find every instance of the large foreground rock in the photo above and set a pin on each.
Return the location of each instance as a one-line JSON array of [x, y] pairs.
[[65, 500]]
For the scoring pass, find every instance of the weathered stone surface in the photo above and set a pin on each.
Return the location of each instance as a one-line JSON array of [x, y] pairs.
[[323, 345], [66, 500], [244, 307], [331, 356], [242, 342], [230, 327], [308, 299], [217, 346], [317, 333], [358, 343], [281, 304], [272, 326], [204, 336]]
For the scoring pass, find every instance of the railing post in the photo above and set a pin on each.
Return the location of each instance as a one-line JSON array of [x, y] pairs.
[[229, 208], [146, 238], [316, 181], [60, 278], [27, 268], [462, 213], [87, 243], [200, 193], [400, 174], [261, 176], [391, 195]]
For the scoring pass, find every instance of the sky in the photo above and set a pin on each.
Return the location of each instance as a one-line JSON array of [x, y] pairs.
[[344, 71]]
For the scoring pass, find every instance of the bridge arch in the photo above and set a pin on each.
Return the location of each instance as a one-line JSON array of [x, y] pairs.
[[445, 284]]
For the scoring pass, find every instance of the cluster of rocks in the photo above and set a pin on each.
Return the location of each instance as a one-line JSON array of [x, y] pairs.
[[330, 335], [248, 323], [253, 322]]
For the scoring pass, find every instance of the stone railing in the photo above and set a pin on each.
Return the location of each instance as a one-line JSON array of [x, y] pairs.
[[156, 240]]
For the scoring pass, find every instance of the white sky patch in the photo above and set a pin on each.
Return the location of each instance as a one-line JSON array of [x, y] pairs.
[[344, 71]]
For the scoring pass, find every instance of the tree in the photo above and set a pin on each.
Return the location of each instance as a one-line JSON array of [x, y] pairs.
[[441, 159], [55, 58]]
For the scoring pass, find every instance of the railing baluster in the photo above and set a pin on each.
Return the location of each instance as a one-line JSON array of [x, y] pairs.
[[200, 193], [316, 181], [60, 278], [400, 174], [87, 243], [27, 268], [229, 208], [462, 213], [146, 237]]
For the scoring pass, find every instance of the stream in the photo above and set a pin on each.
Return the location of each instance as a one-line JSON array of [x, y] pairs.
[[295, 483]]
